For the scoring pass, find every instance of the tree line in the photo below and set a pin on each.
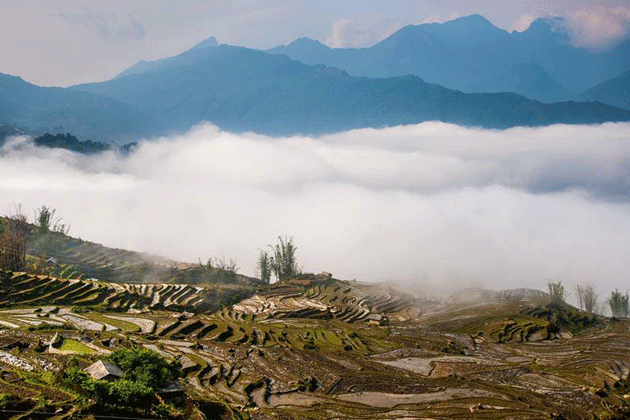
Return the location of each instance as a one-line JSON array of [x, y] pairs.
[[69, 142], [588, 299], [279, 261]]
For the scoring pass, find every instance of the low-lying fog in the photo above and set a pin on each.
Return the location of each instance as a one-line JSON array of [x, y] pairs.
[[431, 203]]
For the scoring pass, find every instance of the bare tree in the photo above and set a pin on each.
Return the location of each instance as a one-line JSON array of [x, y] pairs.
[[587, 298], [223, 271], [13, 242]]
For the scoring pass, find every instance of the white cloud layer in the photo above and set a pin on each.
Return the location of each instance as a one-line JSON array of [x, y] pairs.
[[599, 25], [426, 204]]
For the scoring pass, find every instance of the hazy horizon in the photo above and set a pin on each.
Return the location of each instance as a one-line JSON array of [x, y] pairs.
[[65, 43]]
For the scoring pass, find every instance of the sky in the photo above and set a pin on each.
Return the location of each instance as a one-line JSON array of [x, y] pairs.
[[61, 43], [428, 205]]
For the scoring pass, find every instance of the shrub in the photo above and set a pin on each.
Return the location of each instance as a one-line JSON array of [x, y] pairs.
[[619, 304], [75, 375], [131, 393], [145, 372], [145, 366]]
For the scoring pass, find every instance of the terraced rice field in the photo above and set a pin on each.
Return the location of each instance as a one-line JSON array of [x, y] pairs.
[[29, 290], [74, 346], [343, 301], [90, 260], [78, 259], [296, 352]]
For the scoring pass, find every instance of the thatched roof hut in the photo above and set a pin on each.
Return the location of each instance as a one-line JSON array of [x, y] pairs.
[[104, 371]]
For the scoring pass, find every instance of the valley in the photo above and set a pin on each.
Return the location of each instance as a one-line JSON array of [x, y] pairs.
[[317, 347]]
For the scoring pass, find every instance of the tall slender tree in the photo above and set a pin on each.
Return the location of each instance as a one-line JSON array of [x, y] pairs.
[[264, 265], [283, 261]]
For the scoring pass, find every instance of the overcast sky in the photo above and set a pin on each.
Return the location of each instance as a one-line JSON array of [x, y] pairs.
[[59, 43]]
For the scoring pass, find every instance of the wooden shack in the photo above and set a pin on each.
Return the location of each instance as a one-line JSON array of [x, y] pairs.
[[174, 393], [377, 319]]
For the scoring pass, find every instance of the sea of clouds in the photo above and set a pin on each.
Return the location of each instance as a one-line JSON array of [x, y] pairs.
[[430, 204]]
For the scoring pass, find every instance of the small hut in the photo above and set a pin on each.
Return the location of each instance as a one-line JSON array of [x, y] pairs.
[[104, 371], [377, 319], [172, 393]]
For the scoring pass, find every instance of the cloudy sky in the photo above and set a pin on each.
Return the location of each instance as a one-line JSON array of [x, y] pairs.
[[428, 204], [52, 42]]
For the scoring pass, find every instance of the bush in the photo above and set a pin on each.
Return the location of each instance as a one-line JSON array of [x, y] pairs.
[[145, 366], [47, 222], [75, 375], [145, 372], [619, 304], [168, 411], [131, 393]]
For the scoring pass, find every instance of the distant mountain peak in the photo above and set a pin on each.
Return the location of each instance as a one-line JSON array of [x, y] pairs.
[[210, 42], [308, 44], [300, 47], [306, 41], [463, 31], [548, 25], [470, 20]]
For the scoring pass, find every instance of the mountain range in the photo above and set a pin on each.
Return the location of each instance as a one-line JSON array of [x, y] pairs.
[[472, 55], [36, 109], [287, 90], [614, 92]]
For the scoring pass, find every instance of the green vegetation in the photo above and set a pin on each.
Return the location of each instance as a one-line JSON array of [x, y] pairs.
[[75, 346], [619, 304], [557, 294], [125, 326], [283, 262], [214, 271], [302, 344], [263, 266], [146, 367], [47, 222], [145, 372], [29, 290], [70, 142], [282, 356]]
